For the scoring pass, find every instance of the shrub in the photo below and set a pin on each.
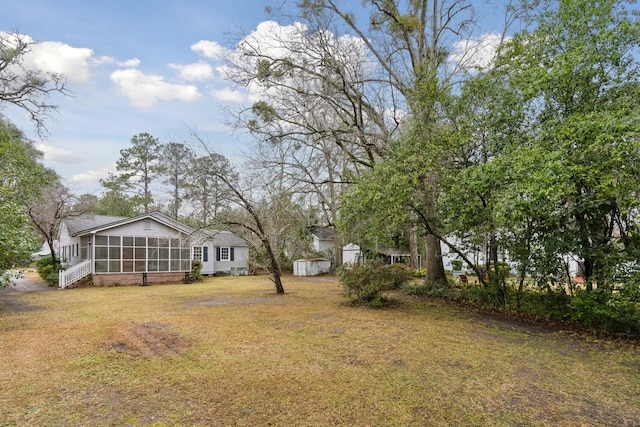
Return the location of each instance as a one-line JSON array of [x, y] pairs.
[[399, 274], [196, 271], [48, 271], [456, 264], [605, 312], [419, 272], [366, 282], [431, 289]]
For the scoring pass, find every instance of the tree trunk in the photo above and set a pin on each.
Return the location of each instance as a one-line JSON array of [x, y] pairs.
[[433, 260], [337, 248], [587, 273], [413, 242], [276, 274], [53, 251], [432, 250]]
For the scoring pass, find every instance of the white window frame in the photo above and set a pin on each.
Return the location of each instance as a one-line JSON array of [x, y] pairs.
[[222, 253]]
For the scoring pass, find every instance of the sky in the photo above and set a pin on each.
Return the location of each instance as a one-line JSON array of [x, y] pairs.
[[136, 66]]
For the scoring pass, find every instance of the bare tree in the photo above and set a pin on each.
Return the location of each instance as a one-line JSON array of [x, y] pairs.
[[25, 87], [254, 201], [323, 115], [47, 213]]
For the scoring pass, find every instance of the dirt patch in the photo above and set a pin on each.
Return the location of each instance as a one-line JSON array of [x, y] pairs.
[[149, 340], [233, 299], [11, 302], [11, 299]]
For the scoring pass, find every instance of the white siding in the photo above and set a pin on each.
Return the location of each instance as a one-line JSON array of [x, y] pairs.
[[68, 247], [138, 229]]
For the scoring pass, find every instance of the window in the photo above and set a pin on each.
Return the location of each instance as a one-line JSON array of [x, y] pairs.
[[84, 248], [128, 254], [197, 253], [224, 254], [108, 253]]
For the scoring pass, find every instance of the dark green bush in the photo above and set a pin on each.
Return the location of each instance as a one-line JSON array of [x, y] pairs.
[[399, 274], [365, 283], [456, 264], [48, 271], [431, 289], [602, 311], [196, 271], [605, 312]]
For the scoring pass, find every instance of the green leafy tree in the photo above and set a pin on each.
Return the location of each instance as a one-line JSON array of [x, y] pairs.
[[114, 203], [206, 195], [176, 163], [21, 178], [577, 75], [138, 166]]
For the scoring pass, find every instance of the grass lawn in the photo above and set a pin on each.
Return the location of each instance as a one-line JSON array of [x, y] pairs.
[[230, 352]]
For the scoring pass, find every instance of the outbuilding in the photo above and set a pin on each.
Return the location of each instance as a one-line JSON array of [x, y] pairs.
[[311, 266]]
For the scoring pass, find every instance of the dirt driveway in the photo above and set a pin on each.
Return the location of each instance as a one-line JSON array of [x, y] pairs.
[[29, 282]]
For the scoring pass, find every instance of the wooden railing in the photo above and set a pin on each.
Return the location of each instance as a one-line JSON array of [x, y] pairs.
[[74, 273]]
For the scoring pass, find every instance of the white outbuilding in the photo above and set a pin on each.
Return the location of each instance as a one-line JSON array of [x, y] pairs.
[[311, 266]]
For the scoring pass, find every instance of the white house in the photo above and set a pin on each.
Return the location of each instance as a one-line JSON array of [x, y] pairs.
[[149, 248], [323, 240], [221, 251]]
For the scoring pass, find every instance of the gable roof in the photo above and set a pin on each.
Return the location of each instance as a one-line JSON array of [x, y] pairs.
[[88, 224], [84, 223], [222, 238], [324, 233]]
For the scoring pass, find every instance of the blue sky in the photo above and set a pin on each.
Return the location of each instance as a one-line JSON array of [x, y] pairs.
[[135, 66]]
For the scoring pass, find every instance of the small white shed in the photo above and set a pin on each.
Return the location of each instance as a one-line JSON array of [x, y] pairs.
[[311, 266], [351, 254]]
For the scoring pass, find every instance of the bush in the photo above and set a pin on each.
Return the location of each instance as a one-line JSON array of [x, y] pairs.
[[196, 271], [419, 272], [456, 264], [399, 274], [605, 312], [431, 289], [366, 282], [48, 271]]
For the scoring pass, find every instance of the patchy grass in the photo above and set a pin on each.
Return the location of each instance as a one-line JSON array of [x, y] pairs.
[[228, 351]]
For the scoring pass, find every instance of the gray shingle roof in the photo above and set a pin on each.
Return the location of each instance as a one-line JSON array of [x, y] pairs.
[[85, 223]]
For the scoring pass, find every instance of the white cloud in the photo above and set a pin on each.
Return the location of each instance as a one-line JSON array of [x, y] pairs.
[[133, 62], [228, 95], [194, 72], [209, 49], [274, 40], [56, 57], [90, 177], [101, 60], [145, 90], [477, 53], [56, 154]]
